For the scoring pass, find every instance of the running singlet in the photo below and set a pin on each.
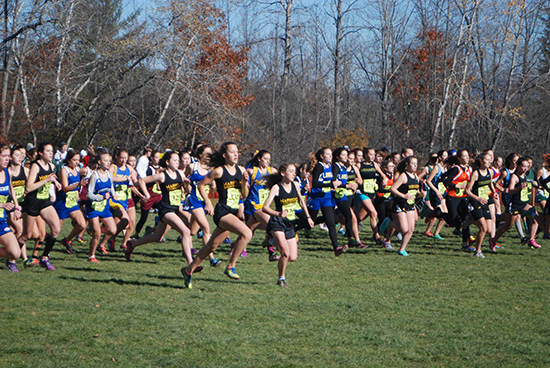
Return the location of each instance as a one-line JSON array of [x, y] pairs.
[[386, 192], [18, 183], [42, 193], [258, 191], [368, 174], [4, 193], [481, 187], [458, 176], [229, 188], [523, 195], [287, 201], [321, 181], [122, 188], [341, 192], [101, 187], [436, 181], [69, 198], [411, 187], [171, 190], [195, 179]]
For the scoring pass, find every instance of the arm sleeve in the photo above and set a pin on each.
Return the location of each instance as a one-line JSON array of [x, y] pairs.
[[450, 175], [91, 188], [141, 167], [315, 183]]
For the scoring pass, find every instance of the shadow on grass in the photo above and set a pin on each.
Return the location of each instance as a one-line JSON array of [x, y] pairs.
[[125, 282]]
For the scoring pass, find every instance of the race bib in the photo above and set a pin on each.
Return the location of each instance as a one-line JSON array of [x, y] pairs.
[[483, 192], [524, 195], [99, 206], [413, 193], [71, 199], [206, 189], [460, 192], [175, 197], [44, 191], [233, 197], [290, 210], [369, 186], [340, 193], [19, 193], [3, 199], [122, 192], [441, 187], [263, 194]]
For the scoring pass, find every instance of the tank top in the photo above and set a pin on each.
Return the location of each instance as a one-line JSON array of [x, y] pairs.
[[411, 186], [171, 189], [229, 187], [122, 188], [541, 190], [387, 193], [481, 187], [258, 191], [436, 181], [42, 193], [368, 174], [4, 193], [287, 201], [196, 178], [341, 191], [523, 195], [325, 178], [19, 183], [70, 198], [101, 187], [461, 177]]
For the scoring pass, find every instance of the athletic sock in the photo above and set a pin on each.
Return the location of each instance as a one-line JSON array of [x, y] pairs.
[[519, 229], [50, 241]]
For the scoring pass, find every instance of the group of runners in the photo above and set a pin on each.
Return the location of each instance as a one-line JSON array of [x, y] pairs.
[[99, 194]]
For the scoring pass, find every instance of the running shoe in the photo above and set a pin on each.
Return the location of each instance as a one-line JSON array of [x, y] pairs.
[[342, 231], [103, 251], [111, 244], [429, 234], [194, 251], [31, 262], [457, 232], [198, 269], [377, 241], [129, 250], [200, 234], [231, 273], [353, 243], [227, 240], [362, 245], [69, 246], [46, 263], [179, 239], [93, 259], [524, 240], [467, 248], [472, 239], [533, 244], [214, 262], [438, 237], [123, 247], [186, 278], [479, 255], [384, 225], [148, 230], [403, 253], [12, 266], [273, 257], [323, 227], [340, 250], [282, 283], [244, 254], [492, 245], [399, 236], [79, 239], [387, 245]]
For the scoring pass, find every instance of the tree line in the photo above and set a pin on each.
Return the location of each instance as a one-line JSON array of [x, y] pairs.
[[284, 75]]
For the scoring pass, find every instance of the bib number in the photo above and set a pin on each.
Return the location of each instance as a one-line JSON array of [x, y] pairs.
[[175, 197], [71, 199], [460, 192], [369, 186], [19, 193], [483, 192], [233, 197], [43, 192], [122, 192], [99, 206], [290, 210], [413, 193], [3, 199], [263, 194], [524, 195], [441, 187], [206, 189]]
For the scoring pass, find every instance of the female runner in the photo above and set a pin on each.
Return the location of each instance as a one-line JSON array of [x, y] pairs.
[[66, 202], [286, 194], [10, 249], [437, 192], [369, 169], [171, 182], [37, 201], [404, 190], [231, 182], [479, 189], [154, 194], [98, 205]]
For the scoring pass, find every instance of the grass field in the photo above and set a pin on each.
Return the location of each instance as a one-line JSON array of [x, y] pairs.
[[366, 308]]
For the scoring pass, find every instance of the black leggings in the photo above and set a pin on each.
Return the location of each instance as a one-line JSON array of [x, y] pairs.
[[458, 212], [328, 214], [345, 210], [383, 208], [142, 221]]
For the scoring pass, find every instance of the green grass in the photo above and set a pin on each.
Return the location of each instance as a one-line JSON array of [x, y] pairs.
[[439, 307]]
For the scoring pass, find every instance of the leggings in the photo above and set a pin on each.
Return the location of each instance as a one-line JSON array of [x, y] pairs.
[[344, 207], [142, 220], [328, 214], [383, 208], [458, 212]]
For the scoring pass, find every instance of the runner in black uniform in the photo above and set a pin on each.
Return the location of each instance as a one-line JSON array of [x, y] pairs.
[[232, 184]]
